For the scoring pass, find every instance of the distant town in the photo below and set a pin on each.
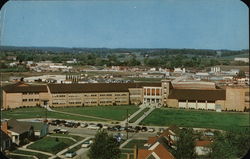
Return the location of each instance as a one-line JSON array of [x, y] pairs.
[[155, 103]]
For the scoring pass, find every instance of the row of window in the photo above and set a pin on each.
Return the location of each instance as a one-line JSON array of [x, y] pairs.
[[120, 94], [57, 103], [30, 100], [105, 101], [30, 93], [59, 95], [75, 102], [198, 101]]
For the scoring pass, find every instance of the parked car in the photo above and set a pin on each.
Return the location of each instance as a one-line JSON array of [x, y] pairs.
[[76, 124], [144, 129], [63, 131], [100, 125], [122, 128], [93, 127], [87, 144], [83, 125], [130, 129], [116, 128], [56, 130], [69, 124], [151, 130], [137, 128], [105, 127], [161, 130], [70, 154]]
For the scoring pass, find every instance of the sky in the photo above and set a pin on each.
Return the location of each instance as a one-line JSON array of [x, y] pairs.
[[198, 24]]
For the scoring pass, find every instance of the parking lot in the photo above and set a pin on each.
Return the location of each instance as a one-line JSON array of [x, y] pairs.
[[90, 129]]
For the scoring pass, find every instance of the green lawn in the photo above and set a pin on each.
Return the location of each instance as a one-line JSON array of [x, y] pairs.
[[36, 112], [39, 155], [138, 115], [49, 144], [109, 112], [197, 119], [124, 155], [134, 142], [77, 138]]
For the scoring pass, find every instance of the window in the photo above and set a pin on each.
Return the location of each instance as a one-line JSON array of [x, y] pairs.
[[24, 100], [36, 99], [30, 100]]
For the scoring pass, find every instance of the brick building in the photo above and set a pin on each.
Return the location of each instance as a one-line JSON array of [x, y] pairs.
[[189, 96]]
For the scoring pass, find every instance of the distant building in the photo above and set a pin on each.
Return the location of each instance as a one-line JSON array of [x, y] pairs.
[[242, 59]]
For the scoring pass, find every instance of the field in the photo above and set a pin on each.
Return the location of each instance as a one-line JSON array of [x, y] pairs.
[[197, 119], [36, 112], [51, 145], [109, 112]]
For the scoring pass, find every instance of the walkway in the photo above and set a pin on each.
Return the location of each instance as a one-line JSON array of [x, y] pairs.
[[67, 149], [133, 115], [18, 154], [143, 116], [125, 143], [30, 150], [142, 107]]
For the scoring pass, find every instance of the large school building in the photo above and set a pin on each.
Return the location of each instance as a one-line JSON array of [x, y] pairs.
[[190, 95]]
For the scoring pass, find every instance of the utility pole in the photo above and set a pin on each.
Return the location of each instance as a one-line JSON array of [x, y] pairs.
[[45, 102], [127, 124]]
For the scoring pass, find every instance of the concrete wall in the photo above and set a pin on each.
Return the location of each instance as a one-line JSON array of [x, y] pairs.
[[12, 100], [236, 99], [172, 103]]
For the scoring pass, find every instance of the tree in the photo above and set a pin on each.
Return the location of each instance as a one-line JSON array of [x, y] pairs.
[[231, 144], [241, 74], [104, 147], [221, 148], [185, 144]]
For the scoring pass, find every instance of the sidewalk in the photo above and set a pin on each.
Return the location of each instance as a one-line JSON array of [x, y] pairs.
[[18, 154], [72, 146], [133, 115], [143, 116], [42, 152]]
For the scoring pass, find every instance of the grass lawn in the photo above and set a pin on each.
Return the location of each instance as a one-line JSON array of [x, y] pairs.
[[197, 119], [127, 150], [134, 142], [109, 112], [77, 138], [37, 112], [124, 156], [39, 155], [138, 115], [49, 144]]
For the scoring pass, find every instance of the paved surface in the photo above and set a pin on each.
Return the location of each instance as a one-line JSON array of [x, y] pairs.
[[143, 116], [30, 150], [125, 143], [60, 154], [18, 154]]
